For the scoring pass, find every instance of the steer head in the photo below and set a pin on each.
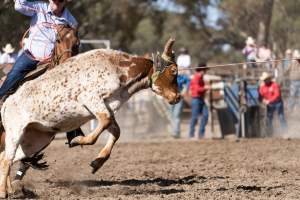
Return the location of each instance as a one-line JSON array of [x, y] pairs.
[[164, 78]]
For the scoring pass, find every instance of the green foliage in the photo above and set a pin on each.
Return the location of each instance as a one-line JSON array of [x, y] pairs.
[[13, 25], [143, 26]]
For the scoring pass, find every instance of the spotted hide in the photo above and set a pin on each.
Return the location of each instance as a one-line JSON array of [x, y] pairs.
[[91, 85]]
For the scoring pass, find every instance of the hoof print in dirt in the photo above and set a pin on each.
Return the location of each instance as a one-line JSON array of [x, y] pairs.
[[29, 194], [97, 163], [22, 193]]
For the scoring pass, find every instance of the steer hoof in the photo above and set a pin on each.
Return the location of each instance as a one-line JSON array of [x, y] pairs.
[[97, 163], [75, 141]]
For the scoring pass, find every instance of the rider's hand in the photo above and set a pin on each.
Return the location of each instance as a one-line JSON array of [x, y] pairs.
[[266, 102]]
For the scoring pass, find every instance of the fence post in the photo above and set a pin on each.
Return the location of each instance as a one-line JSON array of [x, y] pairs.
[[211, 108], [243, 106]]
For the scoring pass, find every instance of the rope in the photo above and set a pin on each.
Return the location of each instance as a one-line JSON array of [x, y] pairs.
[[236, 64]]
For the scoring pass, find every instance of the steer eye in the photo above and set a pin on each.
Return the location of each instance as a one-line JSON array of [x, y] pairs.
[[174, 71]]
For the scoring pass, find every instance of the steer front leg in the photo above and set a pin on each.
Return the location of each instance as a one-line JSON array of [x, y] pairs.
[[104, 121], [104, 154], [5, 165]]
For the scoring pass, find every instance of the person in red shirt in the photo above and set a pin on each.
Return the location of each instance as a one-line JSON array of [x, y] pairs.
[[270, 95], [197, 91]]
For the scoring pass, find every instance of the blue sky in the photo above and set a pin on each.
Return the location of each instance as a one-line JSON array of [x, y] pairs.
[[212, 17]]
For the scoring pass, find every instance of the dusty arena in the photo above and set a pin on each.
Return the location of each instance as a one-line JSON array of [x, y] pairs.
[[171, 169]]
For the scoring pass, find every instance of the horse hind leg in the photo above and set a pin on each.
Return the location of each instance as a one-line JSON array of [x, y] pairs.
[[33, 141]]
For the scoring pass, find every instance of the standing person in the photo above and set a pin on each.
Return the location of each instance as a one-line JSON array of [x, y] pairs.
[[270, 95], [294, 76], [287, 60], [265, 54], [197, 90], [250, 51], [176, 110], [7, 57], [184, 60], [283, 76]]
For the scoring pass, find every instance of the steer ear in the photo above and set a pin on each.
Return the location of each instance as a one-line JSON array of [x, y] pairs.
[[168, 55]]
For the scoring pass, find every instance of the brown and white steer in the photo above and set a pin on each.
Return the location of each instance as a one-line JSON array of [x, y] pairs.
[[91, 85]]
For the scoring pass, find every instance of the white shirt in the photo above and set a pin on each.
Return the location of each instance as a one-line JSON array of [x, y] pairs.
[[42, 35], [184, 60]]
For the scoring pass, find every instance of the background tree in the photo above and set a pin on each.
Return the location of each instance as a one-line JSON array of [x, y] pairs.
[[143, 26]]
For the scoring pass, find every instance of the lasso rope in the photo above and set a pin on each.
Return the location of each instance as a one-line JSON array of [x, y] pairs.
[[236, 64]]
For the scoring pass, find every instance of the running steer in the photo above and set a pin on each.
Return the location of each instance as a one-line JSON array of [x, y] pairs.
[[91, 85]]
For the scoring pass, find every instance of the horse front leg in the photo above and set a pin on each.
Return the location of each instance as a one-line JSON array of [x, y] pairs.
[[104, 154]]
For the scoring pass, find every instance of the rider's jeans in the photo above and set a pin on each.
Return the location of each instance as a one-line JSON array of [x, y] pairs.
[[23, 65]]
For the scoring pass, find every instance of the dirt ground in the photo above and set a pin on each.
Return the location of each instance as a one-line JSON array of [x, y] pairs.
[[171, 169]]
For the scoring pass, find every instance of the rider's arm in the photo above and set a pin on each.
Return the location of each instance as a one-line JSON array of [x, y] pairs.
[[71, 20], [28, 8], [74, 23]]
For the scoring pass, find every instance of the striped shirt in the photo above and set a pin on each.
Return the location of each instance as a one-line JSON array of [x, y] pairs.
[[42, 34]]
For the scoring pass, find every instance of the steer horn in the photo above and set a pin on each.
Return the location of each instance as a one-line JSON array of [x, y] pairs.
[[168, 54]]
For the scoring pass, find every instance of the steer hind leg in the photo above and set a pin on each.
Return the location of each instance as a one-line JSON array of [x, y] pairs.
[[104, 154], [104, 120]]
